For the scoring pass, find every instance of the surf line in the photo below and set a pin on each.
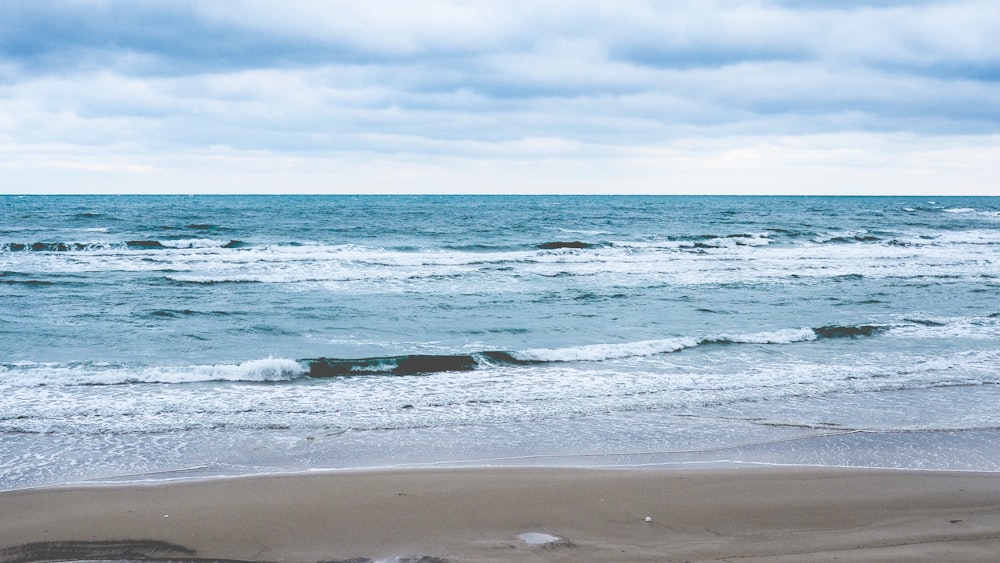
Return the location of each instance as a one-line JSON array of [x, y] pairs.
[[818, 435]]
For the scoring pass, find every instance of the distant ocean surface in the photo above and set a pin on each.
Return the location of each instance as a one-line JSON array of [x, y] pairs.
[[148, 337]]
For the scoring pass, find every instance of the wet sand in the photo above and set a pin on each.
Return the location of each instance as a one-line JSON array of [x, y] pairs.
[[517, 514]]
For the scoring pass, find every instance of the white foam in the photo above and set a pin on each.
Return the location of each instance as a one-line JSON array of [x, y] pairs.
[[584, 232], [195, 243], [973, 328], [361, 269], [784, 336], [970, 211], [99, 373], [598, 352], [268, 369]]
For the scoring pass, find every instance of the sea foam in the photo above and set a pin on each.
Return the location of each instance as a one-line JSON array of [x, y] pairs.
[[599, 352], [23, 374]]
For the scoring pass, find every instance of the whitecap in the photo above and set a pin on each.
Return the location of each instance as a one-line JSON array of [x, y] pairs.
[[194, 243], [784, 336], [599, 352]]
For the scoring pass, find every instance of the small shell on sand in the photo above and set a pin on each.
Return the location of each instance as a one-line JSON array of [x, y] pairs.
[[538, 538]]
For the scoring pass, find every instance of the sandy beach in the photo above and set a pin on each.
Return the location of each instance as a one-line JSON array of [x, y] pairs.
[[529, 514]]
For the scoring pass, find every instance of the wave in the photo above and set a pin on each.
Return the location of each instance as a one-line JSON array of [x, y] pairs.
[[555, 245], [707, 241], [840, 331], [184, 243], [601, 352], [268, 369], [281, 369], [925, 322], [185, 280], [52, 246], [174, 313], [205, 227], [933, 207], [392, 365], [28, 282], [611, 253], [21, 278], [787, 336], [854, 238], [129, 245], [848, 237], [729, 241], [427, 364], [101, 373], [968, 211]]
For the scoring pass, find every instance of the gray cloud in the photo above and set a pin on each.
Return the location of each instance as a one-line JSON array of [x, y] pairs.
[[488, 78]]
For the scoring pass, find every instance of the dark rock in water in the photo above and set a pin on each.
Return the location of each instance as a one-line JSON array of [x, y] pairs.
[[559, 244], [44, 246], [144, 244], [393, 365], [430, 364], [847, 331]]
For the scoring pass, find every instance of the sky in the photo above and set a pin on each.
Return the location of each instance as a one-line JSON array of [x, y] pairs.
[[506, 96]]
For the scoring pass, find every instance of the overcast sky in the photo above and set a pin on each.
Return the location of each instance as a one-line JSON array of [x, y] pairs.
[[507, 96]]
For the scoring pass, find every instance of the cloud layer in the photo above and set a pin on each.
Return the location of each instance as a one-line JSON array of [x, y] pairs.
[[556, 96]]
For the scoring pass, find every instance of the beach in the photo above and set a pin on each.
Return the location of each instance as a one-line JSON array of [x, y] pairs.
[[451, 281], [517, 514], [499, 378]]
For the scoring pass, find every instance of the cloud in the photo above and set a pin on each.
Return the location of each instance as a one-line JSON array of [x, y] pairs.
[[101, 166], [240, 34], [490, 80]]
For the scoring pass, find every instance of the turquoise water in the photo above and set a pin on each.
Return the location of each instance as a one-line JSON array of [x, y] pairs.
[[240, 334]]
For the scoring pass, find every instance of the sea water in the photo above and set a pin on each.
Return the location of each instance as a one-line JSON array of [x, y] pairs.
[[145, 335]]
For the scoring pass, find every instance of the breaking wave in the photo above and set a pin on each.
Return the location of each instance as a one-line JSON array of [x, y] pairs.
[[426, 364], [281, 369], [127, 245], [102, 373]]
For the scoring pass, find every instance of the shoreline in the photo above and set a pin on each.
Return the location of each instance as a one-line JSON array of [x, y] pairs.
[[966, 450], [515, 514], [204, 473], [652, 439]]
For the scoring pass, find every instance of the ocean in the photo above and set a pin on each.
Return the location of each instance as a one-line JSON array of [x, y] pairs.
[[153, 337]]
